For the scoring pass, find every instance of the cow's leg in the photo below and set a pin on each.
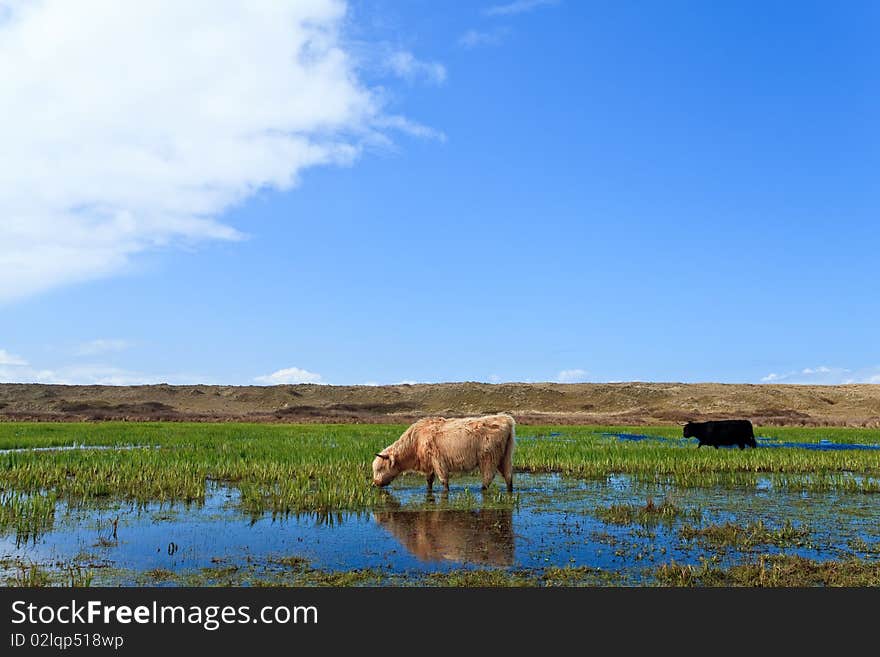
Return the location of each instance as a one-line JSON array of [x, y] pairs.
[[506, 471], [742, 445], [506, 466], [430, 480], [487, 469], [699, 445], [488, 476], [443, 476], [441, 473], [715, 446]]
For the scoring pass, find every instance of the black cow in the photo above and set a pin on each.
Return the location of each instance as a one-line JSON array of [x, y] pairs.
[[722, 432]]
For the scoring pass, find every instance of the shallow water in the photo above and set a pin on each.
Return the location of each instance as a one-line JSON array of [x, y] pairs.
[[74, 448], [821, 446], [553, 525]]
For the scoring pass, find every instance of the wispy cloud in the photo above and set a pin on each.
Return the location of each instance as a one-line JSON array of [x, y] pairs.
[[413, 128], [518, 7], [147, 124], [104, 375], [572, 376], [289, 375], [14, 369], [11, 359], [482, 38], [825, 375], [407, 66], [102, 346]]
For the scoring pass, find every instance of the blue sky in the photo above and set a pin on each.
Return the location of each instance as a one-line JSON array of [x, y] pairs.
[[517, 191]]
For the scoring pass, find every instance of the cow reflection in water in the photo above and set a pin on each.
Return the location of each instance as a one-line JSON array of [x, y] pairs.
[[480, 537]]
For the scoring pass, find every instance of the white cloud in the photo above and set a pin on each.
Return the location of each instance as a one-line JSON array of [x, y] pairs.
[[405, 65], [103, 375], [11, 359], [133, 126], [819, 370], [14, 369], [289, 375], [408, 127], [825, 375], [518, 7], [572, 376], [102, 346], [477, 38]]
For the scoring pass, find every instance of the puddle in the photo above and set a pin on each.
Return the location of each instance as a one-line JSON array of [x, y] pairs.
[[638, 437], [553, 525], [75, 448], [821, 446]]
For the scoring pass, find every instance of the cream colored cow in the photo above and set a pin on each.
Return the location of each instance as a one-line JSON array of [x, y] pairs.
[[437, 447]]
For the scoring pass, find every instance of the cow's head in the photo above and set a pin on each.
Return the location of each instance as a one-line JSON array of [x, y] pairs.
[[385, 469], [688, 430]]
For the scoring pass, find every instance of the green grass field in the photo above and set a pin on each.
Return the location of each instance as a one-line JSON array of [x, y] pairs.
[[296, 468], [325, 469]]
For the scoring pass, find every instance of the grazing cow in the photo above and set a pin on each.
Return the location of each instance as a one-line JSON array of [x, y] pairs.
[[722, 432], [482, 537], [438, 447]]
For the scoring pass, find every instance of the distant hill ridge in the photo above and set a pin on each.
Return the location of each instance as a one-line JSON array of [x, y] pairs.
[[544, 403]]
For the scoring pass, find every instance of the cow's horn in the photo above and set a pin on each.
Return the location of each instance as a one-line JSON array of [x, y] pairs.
[[383, 456]]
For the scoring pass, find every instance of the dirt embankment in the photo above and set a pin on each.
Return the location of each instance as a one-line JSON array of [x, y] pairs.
[[545, 403]]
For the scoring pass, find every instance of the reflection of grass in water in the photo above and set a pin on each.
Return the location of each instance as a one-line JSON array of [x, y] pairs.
[[34, 575], [325, 468], [28, 515], [731, 535], [777, 570], [29, 575], [649, 513], [78, 576], [494, 498]]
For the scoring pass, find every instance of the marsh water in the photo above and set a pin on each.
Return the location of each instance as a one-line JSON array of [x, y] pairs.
[[554, 523], [820, 446], [553, 520]]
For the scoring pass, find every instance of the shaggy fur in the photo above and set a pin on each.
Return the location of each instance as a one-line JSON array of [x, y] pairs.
[[438, 447]]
